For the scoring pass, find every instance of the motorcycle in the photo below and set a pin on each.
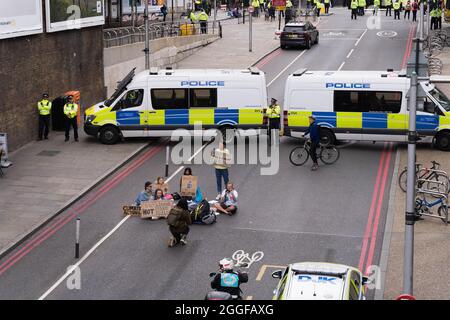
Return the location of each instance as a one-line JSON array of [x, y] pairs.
[[221, 295]]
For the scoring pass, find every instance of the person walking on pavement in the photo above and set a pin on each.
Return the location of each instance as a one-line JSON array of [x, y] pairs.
[[376, 6], [439, 16], [44, 108], [388, 4], [407, 10], [261, 6], [193, 17], [179, 220], [164, 11], [396, 7], [221, 160], [255, 5], [414, 8], [203, 18], [71, 111], [314, 134], [354, 8]]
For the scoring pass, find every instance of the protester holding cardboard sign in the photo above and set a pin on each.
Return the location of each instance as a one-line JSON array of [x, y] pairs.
[[161, 184], [189, 188]]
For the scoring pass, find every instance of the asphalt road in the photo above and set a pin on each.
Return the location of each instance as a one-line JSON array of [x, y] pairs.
[[336, 214]]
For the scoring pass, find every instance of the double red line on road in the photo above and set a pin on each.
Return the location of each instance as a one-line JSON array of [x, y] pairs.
[[44, 234], [370, 234]]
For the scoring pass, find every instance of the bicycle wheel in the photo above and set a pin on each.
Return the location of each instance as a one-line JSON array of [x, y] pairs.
[[441, 187], [298, 156], [443, 213], [402, 180], [329, 155]]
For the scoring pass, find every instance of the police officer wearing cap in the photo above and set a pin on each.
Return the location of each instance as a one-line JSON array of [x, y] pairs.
[[44, 108], [273, 113], [71, 110]]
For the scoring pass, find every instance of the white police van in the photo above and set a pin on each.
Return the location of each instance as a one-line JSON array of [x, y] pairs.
[[154, 103], [362, 105]]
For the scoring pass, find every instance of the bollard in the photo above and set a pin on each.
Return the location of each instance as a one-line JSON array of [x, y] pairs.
[[77, 242], [167, 161]]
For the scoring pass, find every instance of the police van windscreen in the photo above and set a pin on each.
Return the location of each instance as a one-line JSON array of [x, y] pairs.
[[294, 29], [441, 98]]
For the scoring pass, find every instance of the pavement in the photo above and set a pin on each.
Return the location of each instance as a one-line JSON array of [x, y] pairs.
[[431, 236]]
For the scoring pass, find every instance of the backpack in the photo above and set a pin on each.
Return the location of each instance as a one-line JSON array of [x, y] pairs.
[[173, 219], [202, 210], [209, 218]]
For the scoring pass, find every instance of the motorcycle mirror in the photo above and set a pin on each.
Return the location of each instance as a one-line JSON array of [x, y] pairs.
[[212, 274], [277, 274]]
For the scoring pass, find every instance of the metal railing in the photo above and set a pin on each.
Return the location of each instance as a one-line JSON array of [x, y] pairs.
[[129, 35], [432, 48]]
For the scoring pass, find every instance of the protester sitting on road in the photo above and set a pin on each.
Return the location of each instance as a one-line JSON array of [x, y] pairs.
[[145, 195], [228, 202], [198, 193], [159, 195], [179, 220], [161, 184]]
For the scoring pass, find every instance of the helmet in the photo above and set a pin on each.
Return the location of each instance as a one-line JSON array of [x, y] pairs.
[[226, 264]]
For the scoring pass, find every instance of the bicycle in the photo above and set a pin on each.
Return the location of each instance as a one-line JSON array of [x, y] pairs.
[[432, 173], [327, 154], [423, 207]]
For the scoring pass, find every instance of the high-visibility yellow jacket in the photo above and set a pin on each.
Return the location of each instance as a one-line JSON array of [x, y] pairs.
[[255, 3], [388, 2], [376, 3], [362, 3], [44, 107], [354, 4], [193, 16], [273, 111], [70, 110], [288, 4], [202, 16], [396, 5]]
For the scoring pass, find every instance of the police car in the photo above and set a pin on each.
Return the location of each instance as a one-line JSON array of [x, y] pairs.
[[363, 106], [155, 102], [319, 281]]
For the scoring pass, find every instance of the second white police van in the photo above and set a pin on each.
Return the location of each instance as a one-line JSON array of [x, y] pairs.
[[154, 103], [357, 105]]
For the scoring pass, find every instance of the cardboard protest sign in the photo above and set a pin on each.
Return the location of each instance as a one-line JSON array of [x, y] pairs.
[[188, 186], [156, 208], [131, 210]]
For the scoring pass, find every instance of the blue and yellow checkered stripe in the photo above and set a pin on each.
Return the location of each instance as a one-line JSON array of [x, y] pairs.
[[186, 117], [366, 120]]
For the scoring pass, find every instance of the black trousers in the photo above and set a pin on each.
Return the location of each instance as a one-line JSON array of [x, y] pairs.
[[312, 152], [407, 13], [274, 123], [327, 7], [44, 122], [72, 123], [397, 14], [354, 13], [203, 25], [388, 9], [414, 15], [177, 232]]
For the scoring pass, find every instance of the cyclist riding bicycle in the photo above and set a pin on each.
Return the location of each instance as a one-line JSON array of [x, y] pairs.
[[314, 135]]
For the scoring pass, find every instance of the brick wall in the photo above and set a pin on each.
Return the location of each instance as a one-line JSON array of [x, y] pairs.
[[49, 62]]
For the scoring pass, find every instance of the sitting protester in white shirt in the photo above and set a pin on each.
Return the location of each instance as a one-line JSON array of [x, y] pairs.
[[228, 202]]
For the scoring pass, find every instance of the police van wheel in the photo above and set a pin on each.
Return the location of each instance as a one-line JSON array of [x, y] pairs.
[[327, 137], [443, 141], [109, 135]]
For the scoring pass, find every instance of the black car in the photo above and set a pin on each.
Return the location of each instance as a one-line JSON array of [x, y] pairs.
[[299, 34]]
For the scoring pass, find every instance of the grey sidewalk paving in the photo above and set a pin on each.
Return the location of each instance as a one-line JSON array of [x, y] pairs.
[[48, 174], [232, 51], [431, 236]]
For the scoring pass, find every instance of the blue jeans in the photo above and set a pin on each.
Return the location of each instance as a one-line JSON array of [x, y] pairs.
[[219, 174]]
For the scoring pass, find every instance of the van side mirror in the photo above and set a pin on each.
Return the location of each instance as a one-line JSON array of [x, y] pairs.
[[277, 274]]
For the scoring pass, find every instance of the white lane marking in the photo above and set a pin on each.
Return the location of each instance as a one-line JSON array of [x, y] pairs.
[[357, 42], [342, 64], [350, 53], [287, 67], [73, 267], [342, 29], [345, 39]]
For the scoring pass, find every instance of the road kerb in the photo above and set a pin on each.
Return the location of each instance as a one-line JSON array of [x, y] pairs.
[[379, 293], [25, 236], [264, 56]]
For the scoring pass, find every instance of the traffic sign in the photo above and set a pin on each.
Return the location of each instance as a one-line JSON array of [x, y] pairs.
[[251, 9], [279, 3]]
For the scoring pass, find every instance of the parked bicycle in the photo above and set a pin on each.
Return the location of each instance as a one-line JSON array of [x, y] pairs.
[[424, 206], [423, 174], [327, 154]]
